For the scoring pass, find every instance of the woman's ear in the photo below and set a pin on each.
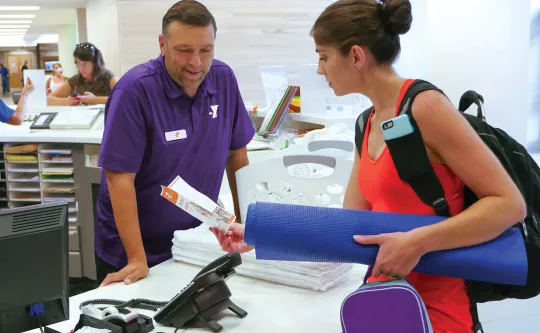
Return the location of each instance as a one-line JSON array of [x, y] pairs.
[[358, 56]]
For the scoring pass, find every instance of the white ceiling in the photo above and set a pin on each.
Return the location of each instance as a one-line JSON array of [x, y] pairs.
[[52, 15], [48, 20], [46, 3]]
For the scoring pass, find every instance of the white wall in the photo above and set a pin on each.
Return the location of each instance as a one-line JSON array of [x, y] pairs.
[[251, 33], [483, 45], [413, 59], [103, 31], [67, 39], [457, 44]]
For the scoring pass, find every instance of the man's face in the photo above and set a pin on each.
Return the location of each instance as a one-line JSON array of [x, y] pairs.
[[188, 53]]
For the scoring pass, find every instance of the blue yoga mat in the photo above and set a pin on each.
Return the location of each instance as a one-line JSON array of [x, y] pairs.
[[319, 234]]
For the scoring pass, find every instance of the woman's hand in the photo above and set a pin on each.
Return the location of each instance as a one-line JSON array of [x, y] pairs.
[[88, 98], [72, 101], [233, 240], [398, 253]]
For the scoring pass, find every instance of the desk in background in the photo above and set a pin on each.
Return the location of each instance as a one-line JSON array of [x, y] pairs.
[[24, 188]]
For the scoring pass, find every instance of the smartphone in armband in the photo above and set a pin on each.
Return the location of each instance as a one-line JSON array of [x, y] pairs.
[[397, 127]]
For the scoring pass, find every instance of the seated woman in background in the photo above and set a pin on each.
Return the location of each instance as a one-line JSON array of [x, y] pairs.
[[91, 85], [57, 78]]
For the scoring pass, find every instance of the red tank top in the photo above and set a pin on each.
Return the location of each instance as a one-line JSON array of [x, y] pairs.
[[378, 180]]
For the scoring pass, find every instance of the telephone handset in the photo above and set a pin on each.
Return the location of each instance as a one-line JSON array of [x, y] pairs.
[[205, 296]]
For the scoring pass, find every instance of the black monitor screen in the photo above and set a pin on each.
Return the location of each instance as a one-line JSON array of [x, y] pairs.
[[34, 272]]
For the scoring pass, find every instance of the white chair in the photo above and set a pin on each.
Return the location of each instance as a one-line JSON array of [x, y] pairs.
[[283, 180], [334, 148]]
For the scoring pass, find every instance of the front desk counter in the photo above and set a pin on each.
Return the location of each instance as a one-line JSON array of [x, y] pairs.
[[23, 183], [273, 307]]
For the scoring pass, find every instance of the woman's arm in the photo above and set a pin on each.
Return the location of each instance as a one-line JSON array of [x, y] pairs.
[[500, 203], [354, 199], [113, 82], [90, 98], [48, 85], [60, 96]]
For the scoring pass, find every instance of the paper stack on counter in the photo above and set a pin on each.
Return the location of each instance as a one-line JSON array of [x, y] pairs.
[[197, 204], [198, 246]]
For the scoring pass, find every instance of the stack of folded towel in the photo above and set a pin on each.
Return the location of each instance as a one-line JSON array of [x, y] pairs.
[[200, 247]]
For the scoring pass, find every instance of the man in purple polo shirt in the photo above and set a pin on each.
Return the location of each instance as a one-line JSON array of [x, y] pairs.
[[179, 114]]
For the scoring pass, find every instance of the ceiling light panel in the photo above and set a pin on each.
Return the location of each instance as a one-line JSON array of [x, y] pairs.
[[14, 26], [15, 21], [17, 16], [13, 30], [19, 8]]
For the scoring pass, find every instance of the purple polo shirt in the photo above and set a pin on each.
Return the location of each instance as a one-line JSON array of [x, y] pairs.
[[144, 112]]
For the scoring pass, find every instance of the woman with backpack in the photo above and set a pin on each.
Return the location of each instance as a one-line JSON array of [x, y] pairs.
[[357, 42]]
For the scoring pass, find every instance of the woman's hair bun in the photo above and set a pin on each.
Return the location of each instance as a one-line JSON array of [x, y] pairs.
[[399, 16]]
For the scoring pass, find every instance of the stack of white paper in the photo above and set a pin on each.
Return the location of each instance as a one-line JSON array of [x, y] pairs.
[[200, 247]]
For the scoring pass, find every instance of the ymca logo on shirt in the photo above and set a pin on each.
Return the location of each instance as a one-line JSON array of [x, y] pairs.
[[213, 113]]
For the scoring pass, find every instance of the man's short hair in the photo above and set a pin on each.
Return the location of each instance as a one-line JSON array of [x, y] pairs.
[[188, 12]]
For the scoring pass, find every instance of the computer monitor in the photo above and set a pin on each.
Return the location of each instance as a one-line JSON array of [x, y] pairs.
[[34, 272]]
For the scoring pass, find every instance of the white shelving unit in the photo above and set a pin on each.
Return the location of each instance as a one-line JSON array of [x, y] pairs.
[[22, 175], [57, 176], [43, 175]]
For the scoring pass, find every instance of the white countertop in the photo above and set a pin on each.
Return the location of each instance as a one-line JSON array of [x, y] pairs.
[[271, 307], [274, 307], [23, 134]]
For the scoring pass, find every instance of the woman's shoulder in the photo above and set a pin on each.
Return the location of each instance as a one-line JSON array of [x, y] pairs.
[[108, 75], [73, 78]]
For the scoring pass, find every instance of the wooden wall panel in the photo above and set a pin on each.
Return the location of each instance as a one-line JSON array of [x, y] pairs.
[[251, 33]]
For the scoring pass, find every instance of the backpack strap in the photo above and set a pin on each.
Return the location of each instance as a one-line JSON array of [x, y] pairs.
[[360, 129], [413, 166], [411, 159]]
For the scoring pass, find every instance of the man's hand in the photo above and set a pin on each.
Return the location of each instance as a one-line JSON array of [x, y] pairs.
[[28, 88], [135, 270], [124, 203]]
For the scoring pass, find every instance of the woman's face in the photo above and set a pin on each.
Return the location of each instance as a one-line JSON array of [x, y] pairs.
[[85, 68], [340, 72], [57, 69]]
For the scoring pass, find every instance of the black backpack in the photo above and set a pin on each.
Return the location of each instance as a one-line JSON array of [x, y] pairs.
[[414, 168]]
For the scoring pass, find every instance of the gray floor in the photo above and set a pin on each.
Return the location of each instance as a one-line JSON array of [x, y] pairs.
[[7, 99]]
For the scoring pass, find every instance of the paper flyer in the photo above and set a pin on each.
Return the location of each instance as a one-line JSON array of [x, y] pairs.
[[197, 204]]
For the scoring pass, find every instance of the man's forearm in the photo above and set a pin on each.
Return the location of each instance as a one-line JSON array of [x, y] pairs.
[[18, 117], [124, 203], [237, 160]]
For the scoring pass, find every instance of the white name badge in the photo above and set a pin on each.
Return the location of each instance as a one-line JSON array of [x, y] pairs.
[[175, 135]]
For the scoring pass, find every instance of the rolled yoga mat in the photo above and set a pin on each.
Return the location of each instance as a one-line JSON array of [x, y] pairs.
[[319, 234]]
